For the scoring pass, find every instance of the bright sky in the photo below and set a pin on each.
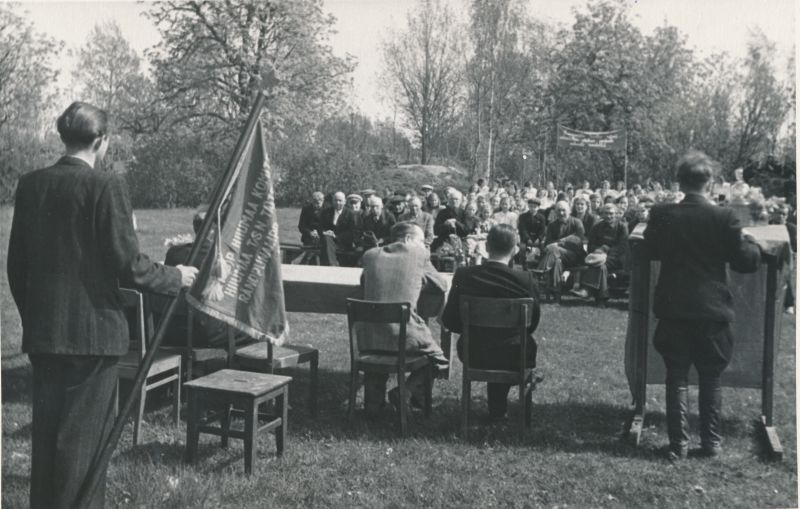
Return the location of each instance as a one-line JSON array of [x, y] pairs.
[[711, 25]]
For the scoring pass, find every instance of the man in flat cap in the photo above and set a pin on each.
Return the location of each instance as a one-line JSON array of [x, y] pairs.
[[532, 226]]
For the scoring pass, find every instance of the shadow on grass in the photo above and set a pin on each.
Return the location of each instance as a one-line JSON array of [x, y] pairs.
[[17, 384], [620, 304]]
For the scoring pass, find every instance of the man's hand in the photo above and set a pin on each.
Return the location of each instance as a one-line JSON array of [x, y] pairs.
[[188, 274], [329, 233], [450, 222], [314, 234]]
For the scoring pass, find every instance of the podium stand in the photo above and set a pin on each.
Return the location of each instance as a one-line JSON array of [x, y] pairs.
[[758, 303]]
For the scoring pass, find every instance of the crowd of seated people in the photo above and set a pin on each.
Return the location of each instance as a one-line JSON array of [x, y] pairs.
[[578, 233]]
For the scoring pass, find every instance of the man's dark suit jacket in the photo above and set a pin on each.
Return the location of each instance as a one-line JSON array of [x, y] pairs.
[[72, 243], [440, 229], [310, 220], [381, 227], [694, 239], [344, 227], [492, 279], [531, 228]]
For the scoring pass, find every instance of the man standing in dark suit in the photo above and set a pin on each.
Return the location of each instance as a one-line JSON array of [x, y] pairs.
[[494, 348], [71, 245], [694, 239], [336, 223]]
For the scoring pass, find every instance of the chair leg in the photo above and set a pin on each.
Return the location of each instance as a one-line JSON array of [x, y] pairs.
[[465, 402], [192, 426], [428, 389], [522, 410], [225, 424], [312, 390], [282, 431], [352, 396], [139, 413], [177, 398], [250, 427], [529, 403], [401, 387]]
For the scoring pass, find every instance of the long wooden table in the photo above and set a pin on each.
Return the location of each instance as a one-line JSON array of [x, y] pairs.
[[317, 289]]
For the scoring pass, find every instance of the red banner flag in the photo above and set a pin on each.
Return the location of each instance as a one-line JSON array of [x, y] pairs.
[[239, 282], [603, 140]]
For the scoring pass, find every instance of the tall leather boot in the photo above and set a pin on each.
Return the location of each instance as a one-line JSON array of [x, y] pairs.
[[710, 403], [677, 419]]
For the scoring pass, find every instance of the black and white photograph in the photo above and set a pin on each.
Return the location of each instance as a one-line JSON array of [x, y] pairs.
[[398, 254]]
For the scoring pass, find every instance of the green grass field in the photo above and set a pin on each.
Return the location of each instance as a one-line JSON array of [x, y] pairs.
[[572, 456]]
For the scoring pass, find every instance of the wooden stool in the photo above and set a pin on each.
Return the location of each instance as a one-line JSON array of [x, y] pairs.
[[244, 391]]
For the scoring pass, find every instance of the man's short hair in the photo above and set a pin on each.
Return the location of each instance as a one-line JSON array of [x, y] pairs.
[[401, 229], [695, 169], [501, 240], [81, 124]]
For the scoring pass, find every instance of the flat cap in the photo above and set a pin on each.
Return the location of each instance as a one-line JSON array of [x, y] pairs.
[[354, 197], [427, 187]]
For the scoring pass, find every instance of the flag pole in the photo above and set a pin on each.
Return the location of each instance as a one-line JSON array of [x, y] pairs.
[[92, 480]]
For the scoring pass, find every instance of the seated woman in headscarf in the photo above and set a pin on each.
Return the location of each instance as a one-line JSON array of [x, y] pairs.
[[608, 247]]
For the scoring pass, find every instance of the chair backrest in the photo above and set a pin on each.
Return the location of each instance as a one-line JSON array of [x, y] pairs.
[[133, 305], [378, 312], [495, 313]]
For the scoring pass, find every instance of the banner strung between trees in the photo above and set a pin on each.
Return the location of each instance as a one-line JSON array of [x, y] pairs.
[[240, 281], [602, 140]]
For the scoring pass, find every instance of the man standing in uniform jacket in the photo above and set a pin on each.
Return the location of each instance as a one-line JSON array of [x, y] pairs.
[[71, 245], [494, 348], [694, 239]]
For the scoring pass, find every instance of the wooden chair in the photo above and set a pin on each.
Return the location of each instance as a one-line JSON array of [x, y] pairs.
[[398, 363], [265, 358], [191, 354], [497, 313], [166, 368]]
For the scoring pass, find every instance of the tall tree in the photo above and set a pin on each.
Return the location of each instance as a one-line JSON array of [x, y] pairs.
[[763, 103], [214, 57], [27, 88], [423, 71], [107, 67]]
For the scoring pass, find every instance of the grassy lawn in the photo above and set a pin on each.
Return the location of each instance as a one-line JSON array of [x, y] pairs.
[[572, 456]]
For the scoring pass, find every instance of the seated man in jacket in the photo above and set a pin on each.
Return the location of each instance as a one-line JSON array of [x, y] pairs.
[[608, 248], [494, 348], [419, 217], [563, 246], [376, 224], [337, 232], [397, 272], [531, 226], [449, 220], [311, 220]]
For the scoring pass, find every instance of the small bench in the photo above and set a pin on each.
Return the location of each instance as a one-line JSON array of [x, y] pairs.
[[245, 392]]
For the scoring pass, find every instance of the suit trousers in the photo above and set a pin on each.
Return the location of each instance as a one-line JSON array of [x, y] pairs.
[[73, 413], [709, 346]]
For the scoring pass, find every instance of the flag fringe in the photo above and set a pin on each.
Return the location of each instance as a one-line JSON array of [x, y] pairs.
[[241, 326]]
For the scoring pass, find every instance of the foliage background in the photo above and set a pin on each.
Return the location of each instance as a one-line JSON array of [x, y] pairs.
[[481, 93]]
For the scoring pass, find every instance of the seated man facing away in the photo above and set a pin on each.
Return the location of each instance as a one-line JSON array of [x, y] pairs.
[[206, 331], [564, 246], [396, 273], [494, 348]]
